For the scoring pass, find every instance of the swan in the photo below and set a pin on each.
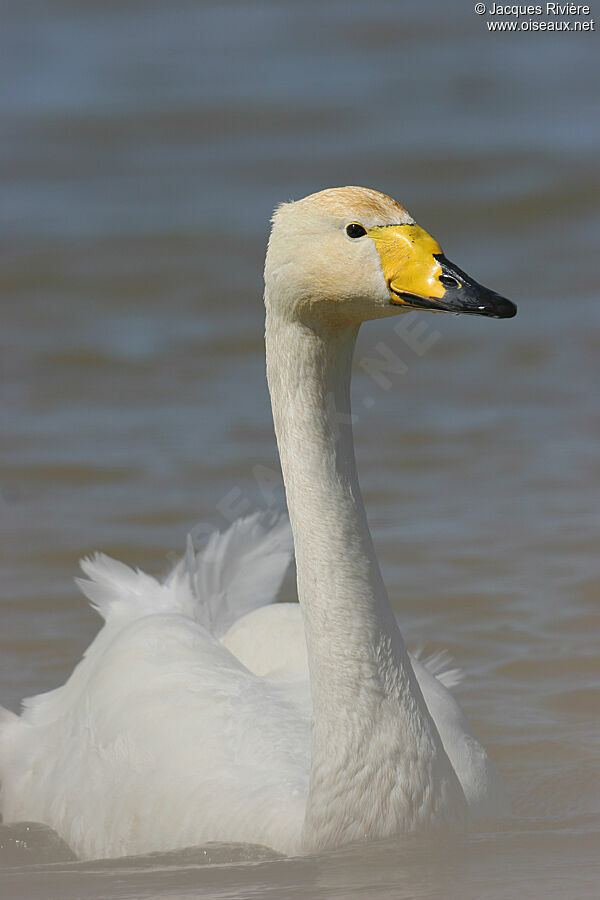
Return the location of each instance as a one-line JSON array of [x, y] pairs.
[[204, 711]]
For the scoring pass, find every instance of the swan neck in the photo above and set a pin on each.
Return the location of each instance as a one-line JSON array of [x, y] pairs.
[[377, 762], [339, 581]]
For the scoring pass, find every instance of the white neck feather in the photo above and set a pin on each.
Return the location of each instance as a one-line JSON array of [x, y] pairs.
[[378, 765]]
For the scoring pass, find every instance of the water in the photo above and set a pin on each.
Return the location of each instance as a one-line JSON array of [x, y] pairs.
[[144, 147]]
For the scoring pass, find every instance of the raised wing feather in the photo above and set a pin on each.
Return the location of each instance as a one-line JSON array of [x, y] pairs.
[[236, 571]]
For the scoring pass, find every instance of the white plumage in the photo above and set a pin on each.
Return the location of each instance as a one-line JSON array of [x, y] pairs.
[[192, 716]]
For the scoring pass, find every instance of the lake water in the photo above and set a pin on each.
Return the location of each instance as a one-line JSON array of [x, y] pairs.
[[144, 147]]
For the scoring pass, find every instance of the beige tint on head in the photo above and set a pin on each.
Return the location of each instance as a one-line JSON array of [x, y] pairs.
[[357, 203]]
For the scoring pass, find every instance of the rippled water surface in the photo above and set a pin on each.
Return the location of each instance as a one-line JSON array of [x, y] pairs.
[[144, 147]]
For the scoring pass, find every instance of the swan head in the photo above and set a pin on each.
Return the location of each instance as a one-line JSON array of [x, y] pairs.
[[355, 254]]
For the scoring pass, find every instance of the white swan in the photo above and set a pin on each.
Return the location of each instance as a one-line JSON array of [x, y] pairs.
[[189, 718]]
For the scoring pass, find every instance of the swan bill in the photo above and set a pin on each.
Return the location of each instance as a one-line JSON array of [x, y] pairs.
[[419, 276]]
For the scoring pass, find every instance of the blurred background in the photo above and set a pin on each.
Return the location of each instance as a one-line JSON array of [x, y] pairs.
[[144, 146]]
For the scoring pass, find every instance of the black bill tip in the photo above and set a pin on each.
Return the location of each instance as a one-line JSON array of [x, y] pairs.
[[462, 294], [500, 307]]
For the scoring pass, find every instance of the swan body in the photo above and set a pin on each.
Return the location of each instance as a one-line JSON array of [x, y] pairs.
[[270, 642], [203, 711]]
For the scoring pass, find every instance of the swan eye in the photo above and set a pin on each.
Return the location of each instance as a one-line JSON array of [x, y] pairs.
[[354, 230]]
